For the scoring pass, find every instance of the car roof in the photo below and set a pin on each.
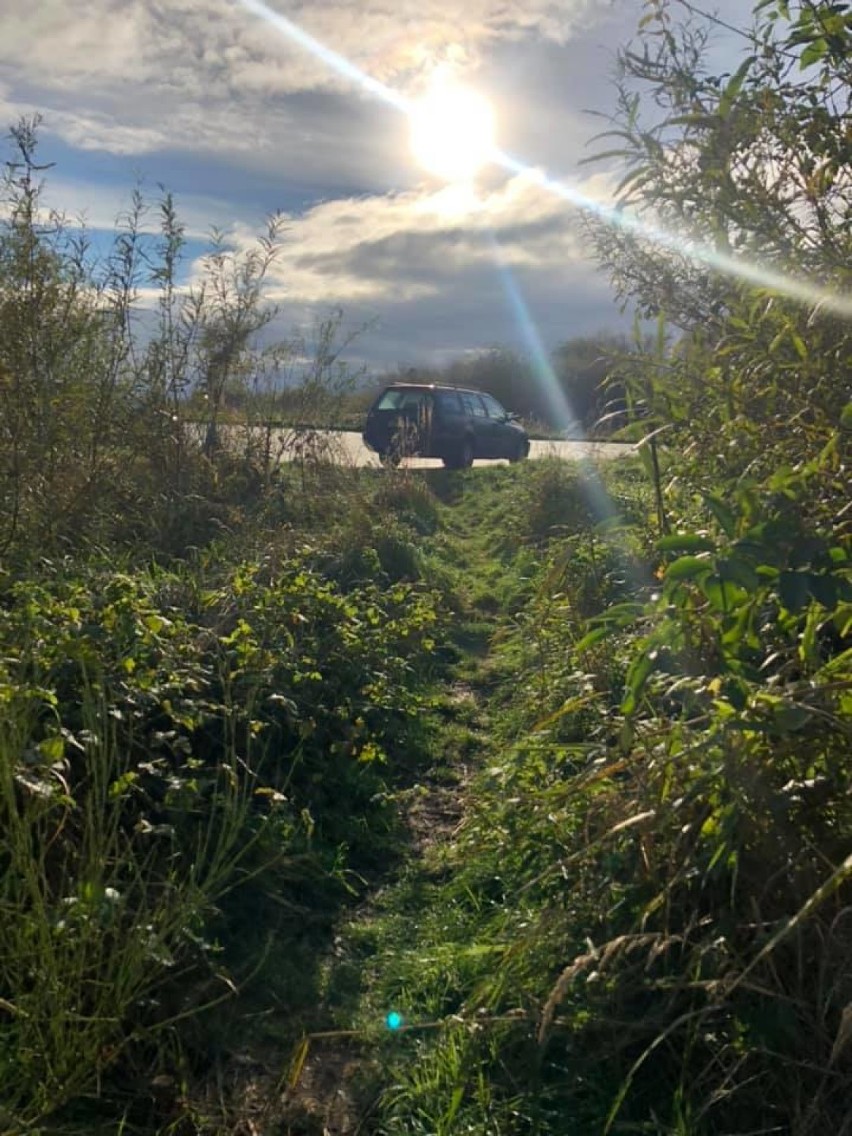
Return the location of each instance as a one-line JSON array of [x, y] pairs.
[[431, 387]]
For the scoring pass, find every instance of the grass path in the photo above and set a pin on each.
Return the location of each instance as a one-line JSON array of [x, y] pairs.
[[334, 1079]]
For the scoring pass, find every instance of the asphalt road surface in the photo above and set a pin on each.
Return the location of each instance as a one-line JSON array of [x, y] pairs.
[[347, 447]]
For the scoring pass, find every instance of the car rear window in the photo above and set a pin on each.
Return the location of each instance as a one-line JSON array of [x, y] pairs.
[[401, 400]]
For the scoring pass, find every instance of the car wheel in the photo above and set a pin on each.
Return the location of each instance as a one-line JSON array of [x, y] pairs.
[[390, 458]]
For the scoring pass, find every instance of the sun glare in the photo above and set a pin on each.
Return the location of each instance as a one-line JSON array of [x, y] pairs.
[[452, 132]]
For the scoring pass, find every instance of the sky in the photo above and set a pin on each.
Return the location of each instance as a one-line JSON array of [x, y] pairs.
[[239, 121]]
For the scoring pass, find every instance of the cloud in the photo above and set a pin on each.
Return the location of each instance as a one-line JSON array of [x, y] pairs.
[[135, 76], [192, 46], [209, 100], [424, 266], [100, 207], [396, 248]]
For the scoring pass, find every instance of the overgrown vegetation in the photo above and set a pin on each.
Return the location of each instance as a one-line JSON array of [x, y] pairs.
[[213, 667], [646, 920], [175, 749], [550, 763]]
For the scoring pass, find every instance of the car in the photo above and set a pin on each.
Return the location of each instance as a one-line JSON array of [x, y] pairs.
[[451, 423]]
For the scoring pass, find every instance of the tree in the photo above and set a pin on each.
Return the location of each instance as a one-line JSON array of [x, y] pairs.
[[752, 169], [232, 314], [586, 367], [503, 373], [61, 347], [95, 435]]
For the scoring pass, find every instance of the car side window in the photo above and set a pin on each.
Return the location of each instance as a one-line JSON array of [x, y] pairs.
[[449, 402], [474, 405], [495, 410]]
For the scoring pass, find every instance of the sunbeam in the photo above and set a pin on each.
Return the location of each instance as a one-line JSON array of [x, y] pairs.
[[751, 272], [332, 59], [560, 407], [599, 501]]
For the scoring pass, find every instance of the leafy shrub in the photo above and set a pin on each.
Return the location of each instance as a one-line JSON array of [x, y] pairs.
[[554, 499], [171, 742]]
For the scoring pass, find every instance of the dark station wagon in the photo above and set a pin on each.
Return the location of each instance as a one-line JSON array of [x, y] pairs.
[[430, 421]]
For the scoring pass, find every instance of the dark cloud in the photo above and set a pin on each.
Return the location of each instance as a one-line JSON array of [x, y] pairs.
[[433, 330]]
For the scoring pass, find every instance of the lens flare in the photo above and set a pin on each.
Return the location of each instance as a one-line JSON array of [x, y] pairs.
[[752, 272], [560, 408], [761, 276], [599, 501]]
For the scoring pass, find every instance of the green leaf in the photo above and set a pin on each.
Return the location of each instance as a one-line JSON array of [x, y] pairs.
[[846, 417], [794, 590], [840, 664], [808, 649], [723, 596], [455, 1104], [723, 513], [688, 568], [739, 633], [692, 119], [638, 674], [738, 571], [813, 53], [685, 542], [736, 692], [734, 87], [799, 344], [52, 749], [784, 477], [595, 636], [622, 614], [788, 719]]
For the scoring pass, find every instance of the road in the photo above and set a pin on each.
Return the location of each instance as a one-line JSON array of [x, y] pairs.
[[346, 446]]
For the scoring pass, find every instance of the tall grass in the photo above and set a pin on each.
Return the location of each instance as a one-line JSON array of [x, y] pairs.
[[100, 913]]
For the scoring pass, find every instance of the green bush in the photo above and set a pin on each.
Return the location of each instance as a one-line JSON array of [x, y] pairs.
[[174, 744]]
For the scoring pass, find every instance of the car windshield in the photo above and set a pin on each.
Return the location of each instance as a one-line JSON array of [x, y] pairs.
[[495, 410]]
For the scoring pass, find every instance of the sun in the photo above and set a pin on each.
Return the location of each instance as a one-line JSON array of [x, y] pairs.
[[452, 132]]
